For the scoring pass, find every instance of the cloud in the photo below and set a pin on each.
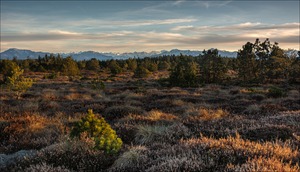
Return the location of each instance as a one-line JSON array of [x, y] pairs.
[[209, 4], [179, 28], [130, 23], [286, 28], [62, 32], [178, 2], [230, 37]]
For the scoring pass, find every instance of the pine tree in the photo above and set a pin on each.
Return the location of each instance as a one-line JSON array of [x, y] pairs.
[[17, 82], [132, 64], [114, 67], [70, 67], [93, 65], [247, 64], [100, 131], [141, 72], [184, 74], [212, 67]]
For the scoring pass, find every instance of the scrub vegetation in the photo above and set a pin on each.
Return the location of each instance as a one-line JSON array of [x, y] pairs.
[[170, 113]]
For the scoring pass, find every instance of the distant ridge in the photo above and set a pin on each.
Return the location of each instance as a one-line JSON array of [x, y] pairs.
[[86, 55]]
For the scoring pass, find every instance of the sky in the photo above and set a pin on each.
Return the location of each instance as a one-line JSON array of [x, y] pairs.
[[144, 25]]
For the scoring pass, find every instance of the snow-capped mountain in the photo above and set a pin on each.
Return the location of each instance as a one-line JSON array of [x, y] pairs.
[[86, 55], [21, 54], [291, 53]]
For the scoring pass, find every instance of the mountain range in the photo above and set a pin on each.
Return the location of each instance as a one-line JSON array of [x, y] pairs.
[[86, 55]]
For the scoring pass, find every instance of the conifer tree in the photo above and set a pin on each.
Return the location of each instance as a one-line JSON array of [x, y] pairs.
[[247, 64], [184, 74]]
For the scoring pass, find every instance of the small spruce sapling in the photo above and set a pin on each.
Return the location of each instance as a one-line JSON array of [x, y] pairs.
[[100, 131]]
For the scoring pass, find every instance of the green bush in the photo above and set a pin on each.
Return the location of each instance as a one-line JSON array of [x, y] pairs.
[[99, 130], [53, 75], [97, 84], [141, 72], [275, 92], [16, 82], [184, 74]]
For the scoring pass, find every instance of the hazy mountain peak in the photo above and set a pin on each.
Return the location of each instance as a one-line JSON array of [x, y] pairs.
[[86, 55]]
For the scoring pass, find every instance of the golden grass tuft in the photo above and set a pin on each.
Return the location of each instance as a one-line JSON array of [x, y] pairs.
[[31, 130], [252, 109], [128, 158], [248, 148], [204, 114], [49, 94], [156, 115], [264, 164]]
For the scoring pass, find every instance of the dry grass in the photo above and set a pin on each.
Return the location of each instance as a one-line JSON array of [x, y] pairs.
[[46, 167], [30, 131], [156, 115], [117, 112], [264, 164], [253, 109], [128, 158], [206, 114], [165, 121], [248, 148], [49, 94], [294, 94], [147, 134]]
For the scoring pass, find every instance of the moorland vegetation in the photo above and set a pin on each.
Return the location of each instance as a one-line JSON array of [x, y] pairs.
[[169, 113]]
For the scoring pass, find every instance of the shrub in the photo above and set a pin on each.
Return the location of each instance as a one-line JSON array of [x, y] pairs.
[[117, 112], [257, 97], [129, 158], [97, 84], [7, 67], [141, 72], [114, 67], [17, 82], [184, 74], [70, 67], [263, 164], [45, 167], [30, 131], [275, 92], [252, 109], [99, 130], [147, 134], [73, 154], [53, 75], [203, 114]]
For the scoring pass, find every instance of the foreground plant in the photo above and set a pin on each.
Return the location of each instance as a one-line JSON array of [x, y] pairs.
[[99, 131], [16, 82]]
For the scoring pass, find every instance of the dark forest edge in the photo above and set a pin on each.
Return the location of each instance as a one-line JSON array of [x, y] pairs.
[[256, 63]]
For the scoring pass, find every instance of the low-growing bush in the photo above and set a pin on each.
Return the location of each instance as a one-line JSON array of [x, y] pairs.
[[275, 92], [128, 158], [53, 75], [30, 131], [45, 168], [147, 134], [117, 112], [99, 130], [73, 154], [97, 84], [263, 164], [204, 114]]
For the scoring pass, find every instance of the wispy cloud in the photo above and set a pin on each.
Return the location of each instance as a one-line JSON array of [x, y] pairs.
[[132, 23], [209, 4], [178, 2], [242, 27]]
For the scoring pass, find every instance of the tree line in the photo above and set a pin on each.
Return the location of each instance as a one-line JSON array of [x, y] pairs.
[[256, 63]]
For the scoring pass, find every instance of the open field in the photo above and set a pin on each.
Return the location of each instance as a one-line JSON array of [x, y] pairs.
[[208, 128]]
